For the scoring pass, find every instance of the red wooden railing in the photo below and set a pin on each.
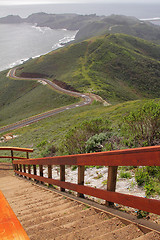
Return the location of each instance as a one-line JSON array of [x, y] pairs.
[[148, 156], [16, 149]]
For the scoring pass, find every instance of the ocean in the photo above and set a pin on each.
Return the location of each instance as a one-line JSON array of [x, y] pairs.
[[19, 42]]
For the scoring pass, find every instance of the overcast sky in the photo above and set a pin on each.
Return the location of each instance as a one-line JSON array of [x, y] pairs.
[[11, 2]]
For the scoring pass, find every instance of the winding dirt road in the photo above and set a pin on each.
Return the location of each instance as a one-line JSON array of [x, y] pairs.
[[86, 100]]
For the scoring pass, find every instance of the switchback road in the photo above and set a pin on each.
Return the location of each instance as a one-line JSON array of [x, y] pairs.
[[85, 100]]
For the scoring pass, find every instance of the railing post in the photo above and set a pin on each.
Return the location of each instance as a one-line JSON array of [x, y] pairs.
[[35, 171], [14, 166], [20, 167], [62, 176], [27, 153], [29, 166], [24, 168], [111, 183], [12, 156], [81, 179], [41, 172], [49, 173]]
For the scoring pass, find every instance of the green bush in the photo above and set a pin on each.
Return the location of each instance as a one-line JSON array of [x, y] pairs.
[[76, 138], [124, 174], [94, 143], [143, 124], [141, 176], [150, 178]]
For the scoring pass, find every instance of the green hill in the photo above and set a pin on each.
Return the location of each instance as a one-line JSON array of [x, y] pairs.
[[120, 24], [117, 67], [20, 99]]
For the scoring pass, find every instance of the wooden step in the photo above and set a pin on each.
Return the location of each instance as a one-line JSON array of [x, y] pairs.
[[128, 232], [51, 231], [47, 215], [60, 213], [93, 231], [51, 219], [149, 236]]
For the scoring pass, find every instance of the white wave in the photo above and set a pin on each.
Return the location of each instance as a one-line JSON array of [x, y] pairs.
[[67, 39], [41, 29], [57, 45], [36, 56], [151, 19], [64, 40], [18, 62]]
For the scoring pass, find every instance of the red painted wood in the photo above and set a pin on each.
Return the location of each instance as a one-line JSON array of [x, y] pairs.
[[12, 157], [17, 149], [149, 156], [149, 205], [10, 227]]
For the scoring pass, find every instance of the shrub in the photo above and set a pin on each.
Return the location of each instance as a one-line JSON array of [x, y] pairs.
[[150, 178], [124, 174], [75, 140], [143, 125], [94, 143]]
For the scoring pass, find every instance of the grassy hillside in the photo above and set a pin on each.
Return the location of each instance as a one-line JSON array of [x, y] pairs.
[[20, 99], [51, 132], [117, 67], [120, 24]]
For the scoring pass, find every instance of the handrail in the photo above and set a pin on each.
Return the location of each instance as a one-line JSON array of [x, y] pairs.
[[10, 227], [148, 156], [17, 149]]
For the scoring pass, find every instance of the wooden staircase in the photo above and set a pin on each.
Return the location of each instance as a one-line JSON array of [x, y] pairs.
[[47, 215]]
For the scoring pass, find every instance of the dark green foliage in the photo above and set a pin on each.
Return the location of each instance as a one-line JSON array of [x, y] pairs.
[[124, 174], [94, 143], [143, 124], [142, 214], [150, 178], [76, 138]]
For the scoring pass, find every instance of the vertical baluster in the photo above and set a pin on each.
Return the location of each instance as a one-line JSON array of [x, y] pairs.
[[12, 156], [81, 179], [111, 182], [41, 172], [20, 166], [50, 173], [24, 169], [29, 166], [62, 176], [35, 171]]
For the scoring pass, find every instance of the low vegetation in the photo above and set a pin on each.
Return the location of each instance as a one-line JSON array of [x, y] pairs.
[[115, 66], [84, 133], [123, 70], [20, 99]]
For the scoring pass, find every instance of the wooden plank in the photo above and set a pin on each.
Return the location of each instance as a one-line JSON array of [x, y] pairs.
[[41, 171], [20, 167], [149, 156], [111, 182], [148, 205], [29, 170], [34, 171], [50, 173], [12, 157], [80, 179], [17, 149], [10, 227], [24, 169], [62, 176]]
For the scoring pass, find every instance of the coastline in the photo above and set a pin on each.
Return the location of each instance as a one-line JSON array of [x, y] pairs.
[[59, 44]]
